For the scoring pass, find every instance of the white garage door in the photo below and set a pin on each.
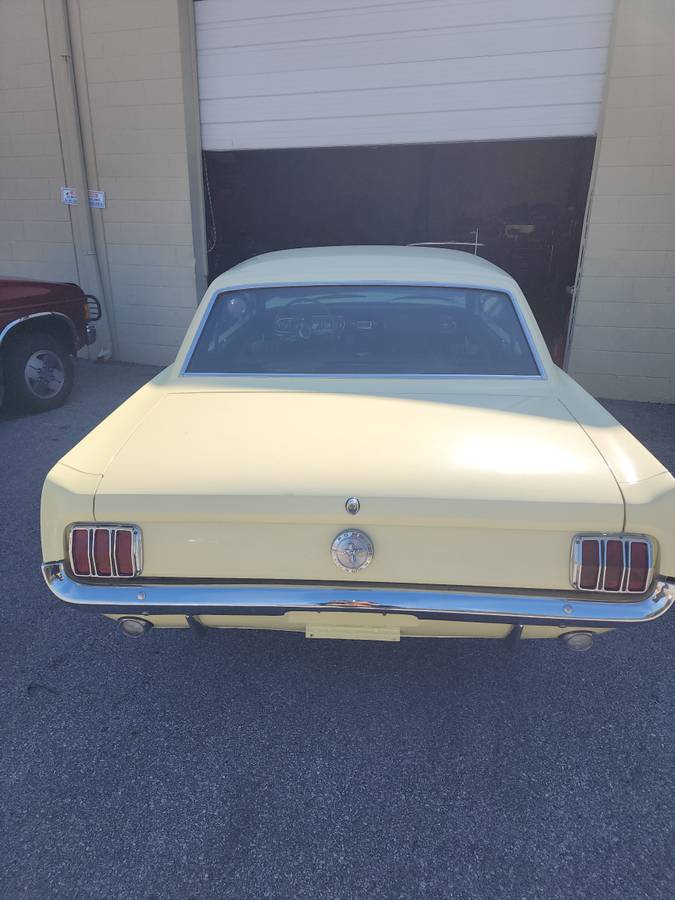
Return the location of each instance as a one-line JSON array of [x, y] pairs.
[[322, 73]]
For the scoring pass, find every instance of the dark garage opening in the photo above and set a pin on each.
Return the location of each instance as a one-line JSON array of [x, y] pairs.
[[526, 199]]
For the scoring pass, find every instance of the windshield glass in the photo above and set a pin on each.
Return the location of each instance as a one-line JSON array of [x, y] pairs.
[[363, 330]]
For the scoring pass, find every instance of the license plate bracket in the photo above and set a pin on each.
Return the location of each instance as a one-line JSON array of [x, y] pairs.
[[351, 633]]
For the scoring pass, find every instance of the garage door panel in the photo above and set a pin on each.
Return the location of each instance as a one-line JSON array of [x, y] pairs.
[[229, 11], [464, 125], [500, 40], [409, 18], [424, 98], [424, 71], [433, 72]]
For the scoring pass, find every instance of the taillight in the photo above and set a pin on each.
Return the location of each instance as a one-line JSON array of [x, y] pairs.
[[640, 566], [79, 551], [102, 552], [124, 558], [621, 563], [591, 561], [615, 565], [105, 551]]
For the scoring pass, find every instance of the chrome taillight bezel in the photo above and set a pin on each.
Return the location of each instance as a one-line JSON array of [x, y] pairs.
[[602, 540], [113, 530]]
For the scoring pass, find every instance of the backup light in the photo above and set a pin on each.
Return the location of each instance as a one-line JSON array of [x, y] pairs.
[[105, 551], [621, 563]]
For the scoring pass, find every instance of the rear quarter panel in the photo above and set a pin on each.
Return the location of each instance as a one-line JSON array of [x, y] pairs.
[[647, 487], [67, 496], [650, 509]]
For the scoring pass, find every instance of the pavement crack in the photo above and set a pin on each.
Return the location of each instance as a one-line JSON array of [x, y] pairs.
[[36, 687]]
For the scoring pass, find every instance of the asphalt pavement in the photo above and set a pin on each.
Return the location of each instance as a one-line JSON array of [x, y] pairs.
[[251, 765]]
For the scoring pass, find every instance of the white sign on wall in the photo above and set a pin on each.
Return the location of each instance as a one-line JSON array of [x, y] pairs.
[[97, 199], [69, 196]]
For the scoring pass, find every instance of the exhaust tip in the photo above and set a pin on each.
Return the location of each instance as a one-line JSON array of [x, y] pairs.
[[134, 628], [579, 641]]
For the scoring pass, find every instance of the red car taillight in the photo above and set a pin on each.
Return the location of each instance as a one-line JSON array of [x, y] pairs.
[[79, 551], [105, 551], [621, 563], [640, 565], [124, 555]]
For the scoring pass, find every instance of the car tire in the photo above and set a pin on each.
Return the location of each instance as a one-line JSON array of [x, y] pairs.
[[38, 372]]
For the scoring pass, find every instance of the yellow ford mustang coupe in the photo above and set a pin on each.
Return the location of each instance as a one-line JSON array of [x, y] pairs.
[[367, 443]]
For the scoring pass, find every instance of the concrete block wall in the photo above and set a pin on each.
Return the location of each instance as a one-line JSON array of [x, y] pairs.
[[623, 341], [136, 107], [36, 239], [132, 105]]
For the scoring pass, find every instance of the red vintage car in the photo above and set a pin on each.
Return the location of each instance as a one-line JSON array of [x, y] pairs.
[[42, 326]]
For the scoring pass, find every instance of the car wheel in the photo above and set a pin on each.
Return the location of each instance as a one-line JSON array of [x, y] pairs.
[[38, 372]]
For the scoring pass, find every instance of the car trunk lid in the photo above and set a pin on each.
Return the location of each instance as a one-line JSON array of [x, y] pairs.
[[460, 489]]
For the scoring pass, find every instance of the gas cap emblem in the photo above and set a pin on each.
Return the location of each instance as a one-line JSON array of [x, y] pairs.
[[352, 550]]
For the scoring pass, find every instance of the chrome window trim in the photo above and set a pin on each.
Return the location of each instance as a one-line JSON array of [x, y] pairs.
[[113, 530], [542, 376], [626, 540]]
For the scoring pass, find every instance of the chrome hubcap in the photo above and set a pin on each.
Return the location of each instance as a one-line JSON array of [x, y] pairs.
[[44, 374]]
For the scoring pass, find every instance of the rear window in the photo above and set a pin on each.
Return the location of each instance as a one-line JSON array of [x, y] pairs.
[[363, 330]]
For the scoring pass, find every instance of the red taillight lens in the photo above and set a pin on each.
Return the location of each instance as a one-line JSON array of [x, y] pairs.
[[612, 563], [105, 551], [102, 555], [79, 551], [638, 579], [590, 565], [124, 553]]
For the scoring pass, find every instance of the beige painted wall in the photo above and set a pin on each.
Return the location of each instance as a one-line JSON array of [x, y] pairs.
[[623, 342], [135, 92], [131, 96], [35, 231]]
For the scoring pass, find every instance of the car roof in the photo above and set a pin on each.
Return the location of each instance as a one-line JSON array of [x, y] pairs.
[[321, 265]]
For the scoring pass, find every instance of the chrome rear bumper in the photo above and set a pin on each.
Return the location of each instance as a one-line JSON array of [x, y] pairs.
[[236, 599]]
